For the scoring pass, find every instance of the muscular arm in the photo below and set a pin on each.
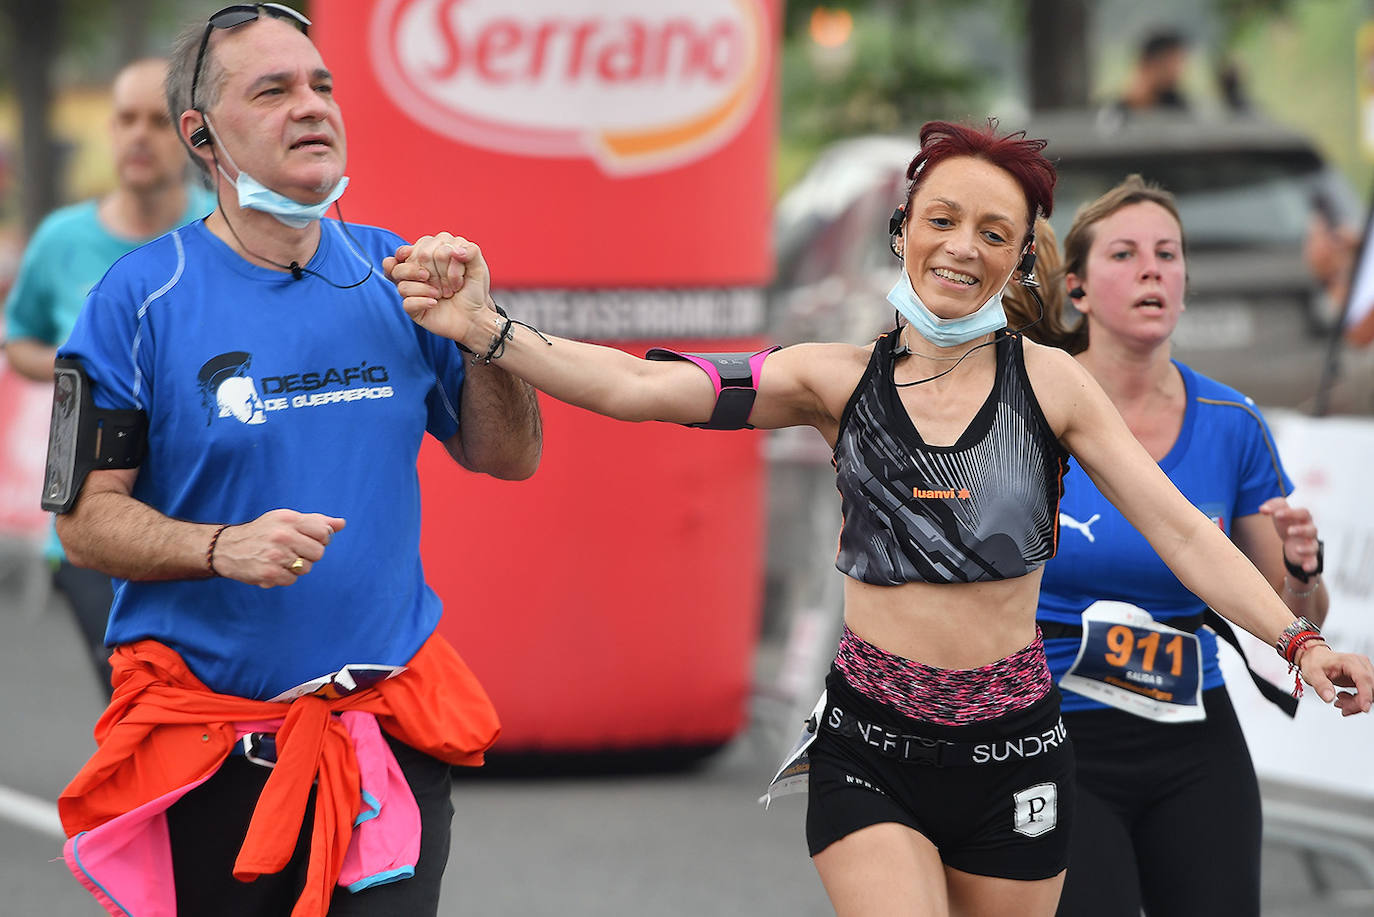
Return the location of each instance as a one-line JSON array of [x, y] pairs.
[[110, 531], [500, 432], [31, 358]]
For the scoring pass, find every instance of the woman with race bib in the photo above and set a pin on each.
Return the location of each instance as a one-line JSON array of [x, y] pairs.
[[941, 778], [1168, 805]]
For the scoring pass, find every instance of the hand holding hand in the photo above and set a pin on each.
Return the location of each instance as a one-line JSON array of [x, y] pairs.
[[274, 549], [1297, 531], [444, 285], [1324, 669]]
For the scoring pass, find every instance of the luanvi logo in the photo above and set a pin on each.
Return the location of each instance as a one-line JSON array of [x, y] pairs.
[[634, 86], [921, 493]]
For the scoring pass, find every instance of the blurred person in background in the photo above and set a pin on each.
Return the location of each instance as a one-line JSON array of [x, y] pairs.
[[1168, 803], [1231, 84], [285, 716], [71, 249], [1155, 81], [1331, 252], [940, 776]]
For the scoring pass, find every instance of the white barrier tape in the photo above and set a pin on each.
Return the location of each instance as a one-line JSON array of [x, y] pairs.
[[30, 812]]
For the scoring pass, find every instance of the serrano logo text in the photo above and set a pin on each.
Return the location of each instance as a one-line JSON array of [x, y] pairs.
[[636, 87]]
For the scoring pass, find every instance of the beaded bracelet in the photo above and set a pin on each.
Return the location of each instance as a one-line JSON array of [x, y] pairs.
[[1288, 641], [1301, 641], [210, 551], [1294, 637], [1305, 593]]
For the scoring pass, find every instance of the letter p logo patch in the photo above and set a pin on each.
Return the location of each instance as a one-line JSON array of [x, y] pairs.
[[1035, 809]]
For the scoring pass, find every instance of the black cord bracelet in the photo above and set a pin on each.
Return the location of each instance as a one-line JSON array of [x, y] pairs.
[[506, 333]]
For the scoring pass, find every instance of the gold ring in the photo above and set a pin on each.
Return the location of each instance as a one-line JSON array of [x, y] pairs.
[[297, 565]]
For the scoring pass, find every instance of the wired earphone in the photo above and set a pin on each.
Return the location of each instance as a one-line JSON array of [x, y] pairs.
[[201, 137], [1028, 280]]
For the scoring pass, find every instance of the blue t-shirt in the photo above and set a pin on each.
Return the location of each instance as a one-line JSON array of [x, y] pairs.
[[1224, 461], [267, 392], [69, 251]]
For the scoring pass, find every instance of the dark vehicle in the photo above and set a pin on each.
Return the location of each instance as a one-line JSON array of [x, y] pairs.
[[1245, 188]]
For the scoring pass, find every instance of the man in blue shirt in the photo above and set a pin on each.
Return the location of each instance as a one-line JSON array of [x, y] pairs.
[[287, 394], [71, 249]]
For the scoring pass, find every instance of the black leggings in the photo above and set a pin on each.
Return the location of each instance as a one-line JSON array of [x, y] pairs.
[[208, 825], [1168, 817]]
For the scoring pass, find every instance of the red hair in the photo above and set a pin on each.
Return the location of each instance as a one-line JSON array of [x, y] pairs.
[[1015, 153]]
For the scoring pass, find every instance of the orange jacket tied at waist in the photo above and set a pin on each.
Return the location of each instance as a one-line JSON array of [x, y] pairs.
[[165, 730]]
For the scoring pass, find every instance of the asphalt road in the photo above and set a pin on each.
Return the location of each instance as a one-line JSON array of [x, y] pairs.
[[690, 844]]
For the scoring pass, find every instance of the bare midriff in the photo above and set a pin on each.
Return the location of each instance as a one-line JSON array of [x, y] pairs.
[[948, 626], [945, 654]]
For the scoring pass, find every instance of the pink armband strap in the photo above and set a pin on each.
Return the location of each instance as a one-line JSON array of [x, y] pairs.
[[736, 378]]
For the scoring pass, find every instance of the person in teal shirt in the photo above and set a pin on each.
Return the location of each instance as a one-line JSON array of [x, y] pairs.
[[71, 250]]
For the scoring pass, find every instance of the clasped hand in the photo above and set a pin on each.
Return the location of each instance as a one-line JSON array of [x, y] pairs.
[[445, 286]]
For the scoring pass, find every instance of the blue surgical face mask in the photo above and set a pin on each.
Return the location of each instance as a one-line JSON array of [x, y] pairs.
[[254, 195], [946, 332]]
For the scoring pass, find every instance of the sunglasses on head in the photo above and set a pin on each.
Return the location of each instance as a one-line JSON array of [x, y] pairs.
[[237, 15]]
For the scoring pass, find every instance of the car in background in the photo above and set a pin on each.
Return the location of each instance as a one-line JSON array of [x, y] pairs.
[[1256, 319]]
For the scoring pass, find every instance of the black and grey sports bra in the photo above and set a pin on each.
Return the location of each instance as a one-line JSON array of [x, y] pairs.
[[985, 508]]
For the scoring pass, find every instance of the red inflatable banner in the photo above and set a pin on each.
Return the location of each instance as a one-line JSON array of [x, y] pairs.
[[613, 158]]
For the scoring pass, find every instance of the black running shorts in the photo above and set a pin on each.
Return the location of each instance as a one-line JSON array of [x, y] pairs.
[[1008, 818]]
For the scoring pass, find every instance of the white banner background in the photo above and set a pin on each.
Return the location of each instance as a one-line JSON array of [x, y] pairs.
[[1329, 460]]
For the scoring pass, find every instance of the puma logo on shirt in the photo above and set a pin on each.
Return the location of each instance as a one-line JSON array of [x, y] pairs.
[[1084, 528]]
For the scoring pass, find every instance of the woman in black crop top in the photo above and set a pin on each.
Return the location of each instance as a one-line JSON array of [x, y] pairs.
[[941, 776]]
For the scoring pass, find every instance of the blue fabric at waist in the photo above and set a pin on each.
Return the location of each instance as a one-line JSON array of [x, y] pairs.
[[1061, 653]]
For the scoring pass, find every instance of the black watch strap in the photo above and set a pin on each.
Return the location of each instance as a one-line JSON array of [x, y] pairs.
[[1298, 573]]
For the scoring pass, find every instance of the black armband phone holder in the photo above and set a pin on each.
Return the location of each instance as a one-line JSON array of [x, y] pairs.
[[83, 438], [736, 378]]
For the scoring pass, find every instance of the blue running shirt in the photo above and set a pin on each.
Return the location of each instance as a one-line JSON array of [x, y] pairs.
[[267, 392], [1224, 461]]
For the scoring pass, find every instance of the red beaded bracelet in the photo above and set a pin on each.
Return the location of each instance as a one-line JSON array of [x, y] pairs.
[[1301, 640], [1300, 627]]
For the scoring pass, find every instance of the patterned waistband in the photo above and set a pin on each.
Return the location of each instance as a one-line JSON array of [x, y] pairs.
[[949, 697]]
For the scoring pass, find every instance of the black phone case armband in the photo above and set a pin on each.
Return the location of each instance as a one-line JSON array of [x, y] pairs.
[[83, 438], [736, 378]]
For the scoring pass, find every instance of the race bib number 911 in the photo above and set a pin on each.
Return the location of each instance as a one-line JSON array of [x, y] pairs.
[[1128, 660]]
